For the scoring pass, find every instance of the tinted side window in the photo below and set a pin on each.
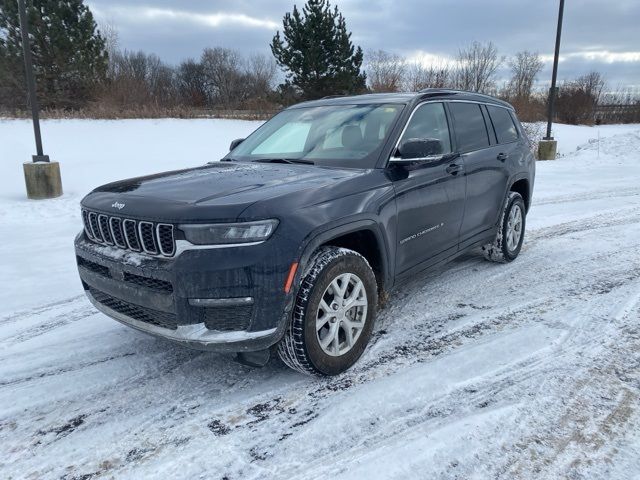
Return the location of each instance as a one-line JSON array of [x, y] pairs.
[[471, 131], [429, 121], [506, 130]]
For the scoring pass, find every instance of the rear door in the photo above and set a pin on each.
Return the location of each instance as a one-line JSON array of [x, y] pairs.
[[510, 145], [429, 195], [485, 169]]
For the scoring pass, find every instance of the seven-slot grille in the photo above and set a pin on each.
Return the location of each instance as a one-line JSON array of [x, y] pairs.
[[139, 236]]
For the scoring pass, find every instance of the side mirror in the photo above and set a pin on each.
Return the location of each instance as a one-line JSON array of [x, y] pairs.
[[235, 143], [419, 148]]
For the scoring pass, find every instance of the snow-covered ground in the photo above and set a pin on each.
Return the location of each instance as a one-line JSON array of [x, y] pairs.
[[526, 370]]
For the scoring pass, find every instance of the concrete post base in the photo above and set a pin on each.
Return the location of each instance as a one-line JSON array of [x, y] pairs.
[[42, 180], [547, 149]]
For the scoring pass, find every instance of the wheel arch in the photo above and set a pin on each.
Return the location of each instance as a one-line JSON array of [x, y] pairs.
[[521, 185], [362, 236]]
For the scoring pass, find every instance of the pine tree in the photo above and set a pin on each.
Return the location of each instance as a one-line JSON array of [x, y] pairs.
[[317, 52], [69, 54]]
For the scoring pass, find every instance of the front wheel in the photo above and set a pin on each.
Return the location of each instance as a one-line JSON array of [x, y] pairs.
[[333, 314], [510, 235]]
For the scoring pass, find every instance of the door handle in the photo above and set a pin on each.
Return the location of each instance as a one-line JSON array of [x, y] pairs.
[[502, 156], [454, 168]]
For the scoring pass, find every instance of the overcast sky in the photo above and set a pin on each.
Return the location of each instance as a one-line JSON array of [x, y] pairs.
[[603, 36]]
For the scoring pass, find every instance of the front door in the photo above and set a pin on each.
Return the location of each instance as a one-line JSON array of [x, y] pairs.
[[430, 195]]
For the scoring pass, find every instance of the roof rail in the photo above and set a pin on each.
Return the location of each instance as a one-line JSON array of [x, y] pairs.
[[333, 96], [440, 90], [452, 91]]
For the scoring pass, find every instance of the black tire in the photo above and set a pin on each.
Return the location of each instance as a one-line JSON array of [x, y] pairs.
[[300, 348], [499, 250]]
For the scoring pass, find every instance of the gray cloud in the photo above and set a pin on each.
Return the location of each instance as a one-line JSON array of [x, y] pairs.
[[604, 38]]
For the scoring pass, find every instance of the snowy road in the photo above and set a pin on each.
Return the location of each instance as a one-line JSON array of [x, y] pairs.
[[526, 370]]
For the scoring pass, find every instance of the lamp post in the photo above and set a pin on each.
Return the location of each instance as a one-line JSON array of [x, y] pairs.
[[548, 147], [42, 177]]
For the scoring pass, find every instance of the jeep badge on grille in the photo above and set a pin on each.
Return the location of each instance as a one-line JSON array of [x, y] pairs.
[[117, 205]]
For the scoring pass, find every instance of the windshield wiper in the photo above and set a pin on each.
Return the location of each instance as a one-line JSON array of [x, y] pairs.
[[285, 160]]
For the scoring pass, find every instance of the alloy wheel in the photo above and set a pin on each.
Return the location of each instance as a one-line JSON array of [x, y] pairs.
[[514, 228], [342, 314]]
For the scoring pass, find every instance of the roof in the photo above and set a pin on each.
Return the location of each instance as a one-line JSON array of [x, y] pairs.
[[404, 97]]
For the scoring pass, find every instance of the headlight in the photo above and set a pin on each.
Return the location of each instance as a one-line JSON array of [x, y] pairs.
[[221, 233]]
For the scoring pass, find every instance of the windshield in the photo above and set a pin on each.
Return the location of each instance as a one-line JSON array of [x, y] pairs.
[[340, 135]]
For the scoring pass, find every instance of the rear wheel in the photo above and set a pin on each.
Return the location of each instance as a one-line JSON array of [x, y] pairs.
[[333, 314], [510, 235]]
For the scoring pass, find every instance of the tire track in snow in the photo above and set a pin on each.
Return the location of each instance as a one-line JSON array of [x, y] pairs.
[[587, 196], [575, 290], [62, 319], [283, 417], [502, 390], [59, 371], [570, 442], [263, 414], [286, 418], [39, 310], [624, 217]]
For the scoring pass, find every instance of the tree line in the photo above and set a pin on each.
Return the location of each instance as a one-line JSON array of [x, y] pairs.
[[80, 68], [221, 78], [582, 100]]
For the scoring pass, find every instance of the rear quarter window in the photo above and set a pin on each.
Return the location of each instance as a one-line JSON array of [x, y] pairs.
[[471, 131], [503, 124]]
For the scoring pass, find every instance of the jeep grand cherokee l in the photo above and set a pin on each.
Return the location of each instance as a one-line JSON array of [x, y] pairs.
[[286, 244]]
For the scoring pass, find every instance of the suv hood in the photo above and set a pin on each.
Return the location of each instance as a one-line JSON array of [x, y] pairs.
[[220, 191]]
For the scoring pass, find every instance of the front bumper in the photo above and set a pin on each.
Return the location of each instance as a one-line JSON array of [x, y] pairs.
[[196, 335], [222, 299]]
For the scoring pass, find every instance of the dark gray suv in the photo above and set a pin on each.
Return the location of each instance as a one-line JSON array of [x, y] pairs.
[[286, 244]]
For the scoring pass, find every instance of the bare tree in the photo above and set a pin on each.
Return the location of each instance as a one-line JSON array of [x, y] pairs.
[[111, 37], [578, 100], [476, 67], [161, 81], [192, 83], [139, 79], [525, 67], [419, 76], [592, 84], [222, 69], [385, 71], [127, 86], [221, 79], [260, 71]]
